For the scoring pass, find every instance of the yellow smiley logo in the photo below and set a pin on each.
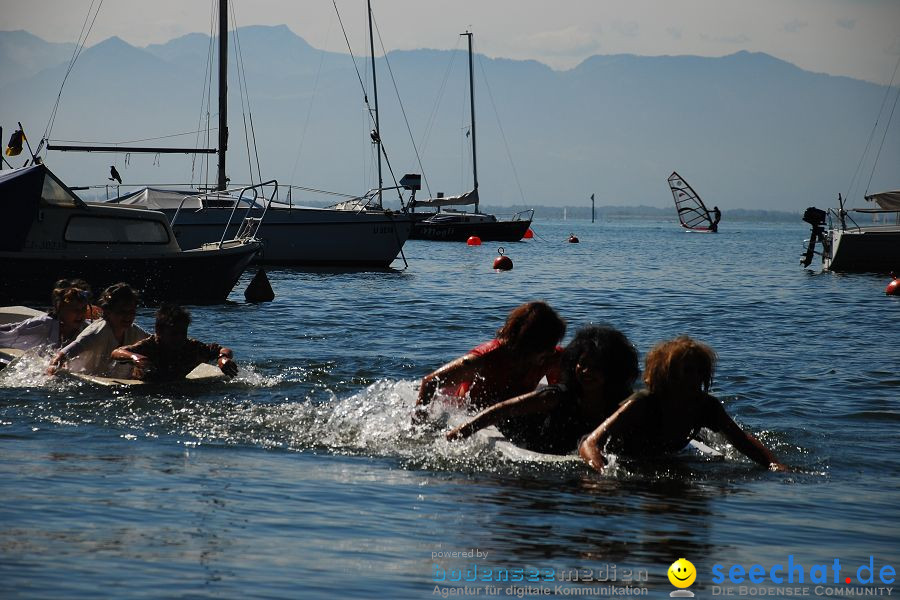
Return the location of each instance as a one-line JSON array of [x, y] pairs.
[[682, 573]]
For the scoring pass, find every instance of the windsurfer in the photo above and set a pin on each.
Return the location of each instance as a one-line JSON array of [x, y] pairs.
[[717, 216]]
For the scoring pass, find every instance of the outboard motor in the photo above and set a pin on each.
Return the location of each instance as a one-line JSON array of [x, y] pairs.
[[816, 218]]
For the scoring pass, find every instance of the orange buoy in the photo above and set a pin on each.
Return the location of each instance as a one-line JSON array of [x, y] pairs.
[[573, 239], [528, 234], [502, 263], [893, 288], [473, 240]]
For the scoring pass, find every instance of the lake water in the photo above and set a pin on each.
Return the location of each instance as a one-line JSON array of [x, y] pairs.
[[304, 478]]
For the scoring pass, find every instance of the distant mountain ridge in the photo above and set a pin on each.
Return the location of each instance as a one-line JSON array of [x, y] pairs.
[[747, 130]]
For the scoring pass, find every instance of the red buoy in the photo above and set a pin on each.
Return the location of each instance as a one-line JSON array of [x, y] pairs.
[[528, 234], [502, 263], [573, 239], [473, 240], [893, 288]]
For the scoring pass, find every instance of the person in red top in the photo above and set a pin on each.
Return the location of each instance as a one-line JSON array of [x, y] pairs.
[[169, 354], [525, 351]]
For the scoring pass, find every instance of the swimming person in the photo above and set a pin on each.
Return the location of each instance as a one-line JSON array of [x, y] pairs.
[[90, 352], [524, 352], [671, 410], [92, 312], [169, 354], [58, 327], [599, 367]]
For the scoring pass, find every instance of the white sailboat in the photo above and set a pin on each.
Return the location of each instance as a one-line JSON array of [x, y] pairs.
[[291, 234]]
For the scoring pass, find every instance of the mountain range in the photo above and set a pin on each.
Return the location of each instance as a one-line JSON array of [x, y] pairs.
[[746, 130]]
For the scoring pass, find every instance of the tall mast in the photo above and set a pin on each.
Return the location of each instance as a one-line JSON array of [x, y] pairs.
[[223, 91], [468, 34], [376, 137]]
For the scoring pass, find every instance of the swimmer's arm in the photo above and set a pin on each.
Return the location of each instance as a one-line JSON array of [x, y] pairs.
[[73, 349], [526, 404], [624, 418], [746, 443], [131, 354], [451, 374]]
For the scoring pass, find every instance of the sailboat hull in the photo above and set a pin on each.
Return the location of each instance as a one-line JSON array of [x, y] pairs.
[[865, 250], [498, 231], [189, 277], [306, 236]]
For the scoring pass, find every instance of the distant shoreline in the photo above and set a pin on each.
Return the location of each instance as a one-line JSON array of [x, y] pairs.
[[640, 212]]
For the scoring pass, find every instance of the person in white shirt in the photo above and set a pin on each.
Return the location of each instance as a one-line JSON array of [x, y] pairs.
[[55, 329], [90, 352]]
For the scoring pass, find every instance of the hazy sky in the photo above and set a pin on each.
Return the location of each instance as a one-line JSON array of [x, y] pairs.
[[858, 38]]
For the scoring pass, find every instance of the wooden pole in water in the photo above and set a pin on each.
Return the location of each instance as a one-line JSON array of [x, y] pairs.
[[592, 208]]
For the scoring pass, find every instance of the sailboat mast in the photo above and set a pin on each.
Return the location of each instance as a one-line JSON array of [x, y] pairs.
[[377, 136], [223, 92], [468, 34]]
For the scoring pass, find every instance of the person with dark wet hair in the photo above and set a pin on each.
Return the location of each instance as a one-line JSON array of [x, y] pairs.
[[599, 367], [59, 326], [169, 354], [666, 415], [90, 351], [524, 352]]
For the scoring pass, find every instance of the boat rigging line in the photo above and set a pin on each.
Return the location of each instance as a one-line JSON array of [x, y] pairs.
[[244, 91], [79, 46], [402, 110], [872, 135], [372, 111], [502, 134]]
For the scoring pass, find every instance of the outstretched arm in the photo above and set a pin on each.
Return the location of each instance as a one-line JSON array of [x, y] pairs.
[[526, 404], [746, 443], [621, 420], [453, 373], [130, 354]]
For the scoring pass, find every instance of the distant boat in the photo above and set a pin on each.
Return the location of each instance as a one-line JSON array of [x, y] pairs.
[[52, 234], [449, 225], [291, 234], [692, 213], [850, 247]]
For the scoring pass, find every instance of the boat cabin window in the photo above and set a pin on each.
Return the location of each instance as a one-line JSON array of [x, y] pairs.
[[116, 230], [56, 194]]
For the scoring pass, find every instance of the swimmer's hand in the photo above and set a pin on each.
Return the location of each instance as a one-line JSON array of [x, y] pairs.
[[453, 434], [227, 365], [590, 452], [460, 433], [57, 364], [779, 468]]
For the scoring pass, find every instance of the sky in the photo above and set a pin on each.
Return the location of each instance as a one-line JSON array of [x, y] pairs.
[[856, 38]]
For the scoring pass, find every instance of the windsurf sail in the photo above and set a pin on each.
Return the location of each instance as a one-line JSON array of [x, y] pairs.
[[692, 213]]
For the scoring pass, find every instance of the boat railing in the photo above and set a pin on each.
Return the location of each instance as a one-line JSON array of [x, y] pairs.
[[518, 216], [361, 203], [875, 212], [841, 216], [248, 195]]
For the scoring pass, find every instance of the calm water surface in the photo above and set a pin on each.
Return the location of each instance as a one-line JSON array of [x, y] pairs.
[[304, 478]]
